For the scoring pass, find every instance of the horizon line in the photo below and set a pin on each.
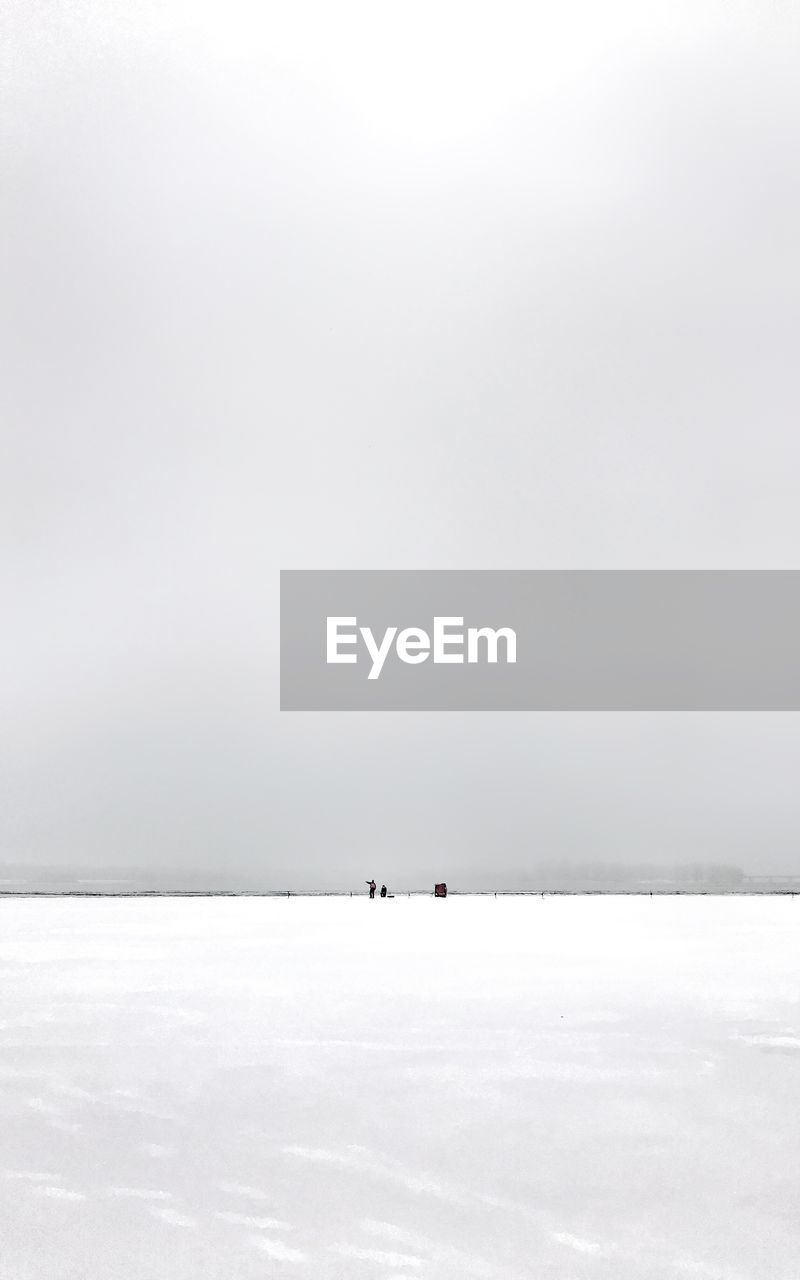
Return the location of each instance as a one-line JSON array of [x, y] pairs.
[[404, 893]]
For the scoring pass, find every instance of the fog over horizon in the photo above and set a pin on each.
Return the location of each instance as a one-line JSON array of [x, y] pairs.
[[452, 286]]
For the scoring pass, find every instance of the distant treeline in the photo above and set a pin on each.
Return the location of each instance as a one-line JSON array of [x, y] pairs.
[[700, 873]]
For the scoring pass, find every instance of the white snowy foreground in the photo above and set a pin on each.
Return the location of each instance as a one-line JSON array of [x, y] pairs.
[[574, 1088]]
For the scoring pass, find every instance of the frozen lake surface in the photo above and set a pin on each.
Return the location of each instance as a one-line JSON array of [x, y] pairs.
[[560, 1089]]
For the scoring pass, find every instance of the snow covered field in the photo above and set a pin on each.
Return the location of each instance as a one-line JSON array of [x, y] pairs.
[[544, 1088]]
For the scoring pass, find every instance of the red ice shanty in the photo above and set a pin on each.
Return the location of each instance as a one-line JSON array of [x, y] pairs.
[[440, 891]]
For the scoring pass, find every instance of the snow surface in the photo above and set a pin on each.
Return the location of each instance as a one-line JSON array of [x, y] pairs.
[[400, 1090]]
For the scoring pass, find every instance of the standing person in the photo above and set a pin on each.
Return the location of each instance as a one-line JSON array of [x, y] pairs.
[[383, 890], [372, 888]]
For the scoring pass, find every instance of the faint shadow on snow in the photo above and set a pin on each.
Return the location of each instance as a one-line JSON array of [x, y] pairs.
[[590, 1247], [245, 1192], [256, 1224], [57, 1193], [173, 1217], [770, 1043], [441, 1255], [138, 1193], [361, 1160], [382, 1257], [277, 1250]]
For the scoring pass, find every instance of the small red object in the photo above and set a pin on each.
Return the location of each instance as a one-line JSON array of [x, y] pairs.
[[440, 891]]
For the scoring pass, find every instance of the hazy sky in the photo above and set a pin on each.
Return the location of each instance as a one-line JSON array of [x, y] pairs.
[[358, 285]]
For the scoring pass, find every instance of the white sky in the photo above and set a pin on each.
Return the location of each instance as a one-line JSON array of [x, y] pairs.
[[508, 285]]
